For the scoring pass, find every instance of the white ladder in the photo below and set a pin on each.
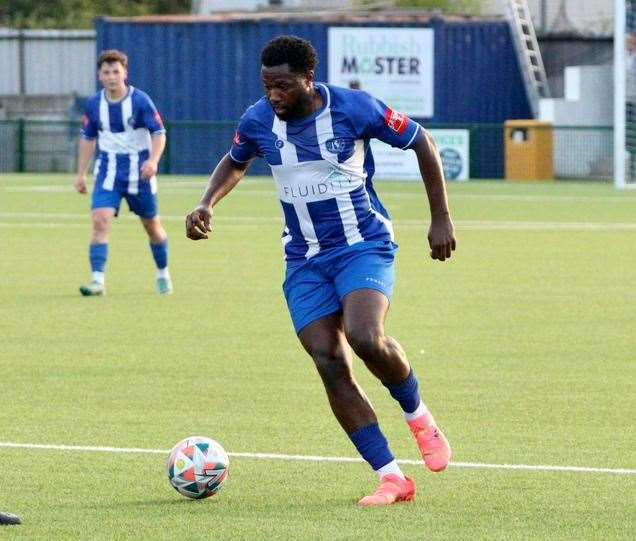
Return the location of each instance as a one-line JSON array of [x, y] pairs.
[[530, 61]]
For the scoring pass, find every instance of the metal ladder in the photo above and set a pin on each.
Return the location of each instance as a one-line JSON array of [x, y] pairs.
[[530, 61]]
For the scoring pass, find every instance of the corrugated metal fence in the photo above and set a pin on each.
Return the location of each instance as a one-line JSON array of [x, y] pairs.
[[34, 62]]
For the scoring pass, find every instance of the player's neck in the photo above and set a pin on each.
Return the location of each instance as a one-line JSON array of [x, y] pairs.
[[118, 94], [314, 103]]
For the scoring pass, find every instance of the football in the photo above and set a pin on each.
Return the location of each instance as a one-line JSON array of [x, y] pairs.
[[198, 467]]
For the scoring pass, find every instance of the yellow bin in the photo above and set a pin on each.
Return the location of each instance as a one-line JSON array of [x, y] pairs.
[[529, 150]]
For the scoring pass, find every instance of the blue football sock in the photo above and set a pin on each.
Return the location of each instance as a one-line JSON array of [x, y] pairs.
[[406, 393], [98, 254], [160, 254], [372, 445]]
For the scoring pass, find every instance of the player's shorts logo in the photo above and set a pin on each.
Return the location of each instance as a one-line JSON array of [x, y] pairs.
[[398, 122], [279, 143], [335, 145]]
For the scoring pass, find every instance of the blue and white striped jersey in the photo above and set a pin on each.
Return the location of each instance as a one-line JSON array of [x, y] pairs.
[[323, 167], [123, 130]]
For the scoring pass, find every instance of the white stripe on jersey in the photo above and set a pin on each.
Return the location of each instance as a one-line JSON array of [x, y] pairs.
[[126, 116], [111, 171], [133, 175], [307, 228], [324, 129], [288, 153], [349, 220], [104, 118]]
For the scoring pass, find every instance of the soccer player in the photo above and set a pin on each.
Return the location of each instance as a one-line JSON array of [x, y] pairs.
[[7, 519], [338, 241], [125, 123]]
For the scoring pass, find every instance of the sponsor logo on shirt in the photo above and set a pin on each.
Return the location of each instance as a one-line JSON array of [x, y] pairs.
[[85, 121], [237, 138], [398, 122]]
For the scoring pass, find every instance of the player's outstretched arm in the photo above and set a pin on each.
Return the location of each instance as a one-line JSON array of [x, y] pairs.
[[85, 153], [441, 234], [227, 174]]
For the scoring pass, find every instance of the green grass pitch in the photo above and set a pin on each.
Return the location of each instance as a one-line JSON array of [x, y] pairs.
[[524, 342]]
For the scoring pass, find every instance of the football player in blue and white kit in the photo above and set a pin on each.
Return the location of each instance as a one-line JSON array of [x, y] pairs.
[[338, 241], [126, 125]]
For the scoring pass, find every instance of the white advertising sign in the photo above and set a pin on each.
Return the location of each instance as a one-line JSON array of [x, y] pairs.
[[393, 64], [395, 164]]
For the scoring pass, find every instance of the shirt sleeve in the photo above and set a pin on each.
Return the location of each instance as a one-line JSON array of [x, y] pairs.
[[89, 127], [390, 126], [244, 146], [151, 117]]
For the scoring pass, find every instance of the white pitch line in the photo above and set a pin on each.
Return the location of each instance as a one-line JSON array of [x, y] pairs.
[[462, 225], [310, 458]]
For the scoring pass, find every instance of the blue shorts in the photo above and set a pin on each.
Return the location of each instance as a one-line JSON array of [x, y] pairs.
[[143, 204], [316, 287]]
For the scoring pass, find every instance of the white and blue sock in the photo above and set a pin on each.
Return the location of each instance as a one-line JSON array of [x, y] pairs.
[[98, 255], [374, 448], [407, 394], [160, 255]]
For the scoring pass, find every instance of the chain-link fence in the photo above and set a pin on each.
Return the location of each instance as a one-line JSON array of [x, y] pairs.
[[196, 148]]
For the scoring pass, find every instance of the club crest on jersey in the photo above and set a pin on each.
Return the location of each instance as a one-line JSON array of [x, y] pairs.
[[335, 145], [130, 121], [398, 122], [279, 143]]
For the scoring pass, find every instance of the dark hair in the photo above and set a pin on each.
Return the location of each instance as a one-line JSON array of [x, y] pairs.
[[297, 52], [111, 56]]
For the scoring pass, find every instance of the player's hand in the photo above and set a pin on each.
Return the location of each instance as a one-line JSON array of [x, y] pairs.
[[197, 223], [149, 169], [441, 237], [80, 184]]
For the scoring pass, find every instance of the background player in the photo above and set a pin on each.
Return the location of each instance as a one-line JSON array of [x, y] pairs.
[[131, 137], [338, 241]]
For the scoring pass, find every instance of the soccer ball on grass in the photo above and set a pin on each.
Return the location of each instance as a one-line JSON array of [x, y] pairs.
[[198, 467]]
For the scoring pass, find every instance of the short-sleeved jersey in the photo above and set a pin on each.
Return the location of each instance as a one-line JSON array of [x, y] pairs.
[[123, 131], [323, 167]]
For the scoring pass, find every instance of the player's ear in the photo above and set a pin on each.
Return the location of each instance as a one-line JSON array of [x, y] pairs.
[[310, 75]]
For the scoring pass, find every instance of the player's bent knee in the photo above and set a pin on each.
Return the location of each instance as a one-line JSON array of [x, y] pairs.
[[333, 370], [365, 342]]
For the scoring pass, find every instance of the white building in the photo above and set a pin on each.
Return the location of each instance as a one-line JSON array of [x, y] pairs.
[[583, 17]]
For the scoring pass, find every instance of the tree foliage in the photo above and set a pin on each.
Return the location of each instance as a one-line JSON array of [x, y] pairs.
[[80, 13], [467, 7]]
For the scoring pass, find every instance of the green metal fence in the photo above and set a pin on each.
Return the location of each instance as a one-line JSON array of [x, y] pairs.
[[196, 147]]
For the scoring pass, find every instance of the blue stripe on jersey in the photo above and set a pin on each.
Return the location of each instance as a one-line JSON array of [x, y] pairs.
[[325, 215], [123, 168], [115, 117], [143, 156], [306, 141], [342, 132], [297, 247], [369, 226]]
